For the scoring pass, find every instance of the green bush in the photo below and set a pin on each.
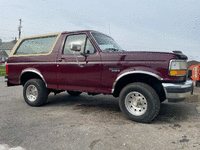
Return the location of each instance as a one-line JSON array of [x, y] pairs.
[[2, 71]]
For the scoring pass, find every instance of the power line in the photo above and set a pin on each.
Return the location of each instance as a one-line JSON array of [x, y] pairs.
[[8, 30]]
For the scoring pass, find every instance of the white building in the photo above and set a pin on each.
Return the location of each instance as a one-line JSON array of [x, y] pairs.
[[5, 49]]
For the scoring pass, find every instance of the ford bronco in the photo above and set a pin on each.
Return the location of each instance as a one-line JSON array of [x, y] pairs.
[[92, 62]]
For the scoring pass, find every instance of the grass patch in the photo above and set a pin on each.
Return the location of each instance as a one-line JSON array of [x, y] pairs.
[[3, 74], [3, 67], [2, 71]]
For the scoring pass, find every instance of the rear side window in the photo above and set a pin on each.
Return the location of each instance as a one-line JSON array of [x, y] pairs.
[[36, 46]]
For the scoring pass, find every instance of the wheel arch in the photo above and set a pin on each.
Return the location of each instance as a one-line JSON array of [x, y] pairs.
[[139, 76], [30, 73]]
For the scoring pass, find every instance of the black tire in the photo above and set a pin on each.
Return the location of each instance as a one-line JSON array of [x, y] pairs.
[[74, 93], [35, 92], [162, 100], [139, 102]]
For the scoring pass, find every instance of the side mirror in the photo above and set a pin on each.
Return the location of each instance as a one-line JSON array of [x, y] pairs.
[[75, 47]]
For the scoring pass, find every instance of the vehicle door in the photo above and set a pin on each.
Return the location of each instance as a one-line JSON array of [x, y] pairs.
[[79, 70]]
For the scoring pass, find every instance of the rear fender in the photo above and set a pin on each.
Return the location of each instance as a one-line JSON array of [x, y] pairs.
[[31, 70]]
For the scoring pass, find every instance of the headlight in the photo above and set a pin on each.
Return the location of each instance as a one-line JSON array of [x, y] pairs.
[[178, 68]]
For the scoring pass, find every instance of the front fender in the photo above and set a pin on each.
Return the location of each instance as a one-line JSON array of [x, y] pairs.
[[148, 71]]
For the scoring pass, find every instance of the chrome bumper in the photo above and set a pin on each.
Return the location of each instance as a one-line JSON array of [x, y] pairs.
[[176, 92]]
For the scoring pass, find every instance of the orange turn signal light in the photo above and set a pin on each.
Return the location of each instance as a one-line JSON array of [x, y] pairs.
[[178, 72]]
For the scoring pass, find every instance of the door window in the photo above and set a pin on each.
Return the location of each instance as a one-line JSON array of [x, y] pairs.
[[89, 49], [74, 39], [86, 46]]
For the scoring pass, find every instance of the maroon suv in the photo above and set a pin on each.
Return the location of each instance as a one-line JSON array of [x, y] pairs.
[[92, 62]]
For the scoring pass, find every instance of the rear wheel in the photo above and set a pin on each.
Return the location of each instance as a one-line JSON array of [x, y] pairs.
[[139, 102], [35, 92], [74, 93]]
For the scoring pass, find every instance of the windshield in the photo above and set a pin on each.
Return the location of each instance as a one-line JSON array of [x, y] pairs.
[[106, 43]]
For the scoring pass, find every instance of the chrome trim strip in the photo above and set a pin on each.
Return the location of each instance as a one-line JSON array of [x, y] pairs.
[[186, 84], [55, 63], [34, 71], [25, 63], [135, 72]]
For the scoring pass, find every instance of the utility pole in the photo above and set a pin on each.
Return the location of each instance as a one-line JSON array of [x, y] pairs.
[[20, 27]]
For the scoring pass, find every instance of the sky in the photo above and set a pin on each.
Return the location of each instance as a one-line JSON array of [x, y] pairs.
[[136, 25]]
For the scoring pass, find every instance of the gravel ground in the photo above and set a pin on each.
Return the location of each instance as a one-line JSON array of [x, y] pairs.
[[93, 123]]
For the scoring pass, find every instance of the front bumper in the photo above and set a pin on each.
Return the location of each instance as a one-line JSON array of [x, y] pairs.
[[176, 92]]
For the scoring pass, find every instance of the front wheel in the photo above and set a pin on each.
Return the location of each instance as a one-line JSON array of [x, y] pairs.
[[139, 102], [35, 92]]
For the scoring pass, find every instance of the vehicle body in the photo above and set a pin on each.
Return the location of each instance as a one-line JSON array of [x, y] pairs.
[[195, 74], [2, 62], [92, 62]]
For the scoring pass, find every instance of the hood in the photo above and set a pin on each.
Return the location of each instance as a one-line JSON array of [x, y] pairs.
[[148, 55], [142, 56]]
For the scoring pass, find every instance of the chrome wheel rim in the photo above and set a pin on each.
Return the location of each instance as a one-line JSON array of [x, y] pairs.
[[31, 93], [136, 103]]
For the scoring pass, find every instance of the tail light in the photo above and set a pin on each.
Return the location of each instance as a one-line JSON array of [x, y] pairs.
[[7, 69]]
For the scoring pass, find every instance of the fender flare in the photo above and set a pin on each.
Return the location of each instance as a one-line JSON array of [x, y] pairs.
[[32, 70], [134, 72]]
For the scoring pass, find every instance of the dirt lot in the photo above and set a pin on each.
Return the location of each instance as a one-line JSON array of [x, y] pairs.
[[93, 123]]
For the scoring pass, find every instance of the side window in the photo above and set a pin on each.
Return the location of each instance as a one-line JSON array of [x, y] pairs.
[[36, 46], [89, 49], [74, 38]]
